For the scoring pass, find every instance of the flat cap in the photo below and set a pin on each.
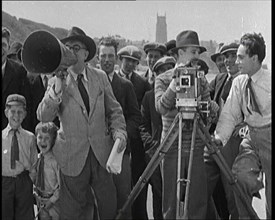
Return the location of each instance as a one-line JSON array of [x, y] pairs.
[[130, 51], [229, 47], [162, 61], [16, 99], [155, 46], [217, 52], [170, 44]]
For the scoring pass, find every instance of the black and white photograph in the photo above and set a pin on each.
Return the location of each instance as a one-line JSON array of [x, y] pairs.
[[136, 110]]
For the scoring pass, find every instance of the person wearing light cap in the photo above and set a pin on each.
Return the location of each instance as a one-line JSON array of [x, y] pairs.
[[219, 90], [150, 131], [153, 51], [91, 120], [187, 48], [130, 57], [19, 154], [218, 59]]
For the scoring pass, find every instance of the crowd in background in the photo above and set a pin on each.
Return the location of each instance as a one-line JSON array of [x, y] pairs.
[[58, 130]]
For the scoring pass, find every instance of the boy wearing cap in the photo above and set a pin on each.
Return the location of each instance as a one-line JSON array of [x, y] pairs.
[[91, 120], [187, 47], [154, 51], [150, 131], [130, 57], [19, 154], [14, 80]]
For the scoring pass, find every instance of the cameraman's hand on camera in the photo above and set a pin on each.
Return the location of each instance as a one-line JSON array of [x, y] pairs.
[[172, 85], [217, 141]]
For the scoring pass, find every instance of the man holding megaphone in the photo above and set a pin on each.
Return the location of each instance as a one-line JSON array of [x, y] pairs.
[[90, 121]]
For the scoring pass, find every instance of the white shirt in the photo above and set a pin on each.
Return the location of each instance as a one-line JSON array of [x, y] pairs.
[[236, 104], [3, 68]]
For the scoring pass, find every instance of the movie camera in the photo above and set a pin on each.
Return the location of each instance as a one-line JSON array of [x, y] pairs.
[[188, 91]]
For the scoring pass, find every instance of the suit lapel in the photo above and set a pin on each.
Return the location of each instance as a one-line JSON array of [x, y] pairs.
[[220, 85], [94, 89], [7, 76], [72, 90]]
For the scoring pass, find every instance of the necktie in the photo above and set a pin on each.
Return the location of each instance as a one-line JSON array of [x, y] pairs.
[[127, 76], [40, 180], [250, 94], [46, 82], [14, 149], [226, 88], [83, 92]]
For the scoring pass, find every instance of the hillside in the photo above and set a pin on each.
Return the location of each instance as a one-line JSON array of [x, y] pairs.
[[20, 28]]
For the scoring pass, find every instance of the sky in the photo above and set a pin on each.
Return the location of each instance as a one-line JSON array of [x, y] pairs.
[[220, 20]]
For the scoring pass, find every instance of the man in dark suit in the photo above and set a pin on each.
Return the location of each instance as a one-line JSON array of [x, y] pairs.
[[130, 56], [154, 51], [14, 80], [150, 130], [38, 84], [219, 90], [125, 94], [91, 120]]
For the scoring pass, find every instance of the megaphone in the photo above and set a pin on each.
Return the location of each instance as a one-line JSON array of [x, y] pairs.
[[43, 53]]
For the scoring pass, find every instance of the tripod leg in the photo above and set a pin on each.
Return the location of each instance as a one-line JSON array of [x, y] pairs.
[[190, 164], [204, 134], [167, 142]]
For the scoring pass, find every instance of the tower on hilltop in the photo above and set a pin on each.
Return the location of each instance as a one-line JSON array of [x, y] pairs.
[[161, 29]]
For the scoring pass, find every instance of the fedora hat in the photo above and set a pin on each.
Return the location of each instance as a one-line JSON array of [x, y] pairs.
[[79, 35], [217, 52], [231, 47], [129, 51], [188, 39], [155, 46]]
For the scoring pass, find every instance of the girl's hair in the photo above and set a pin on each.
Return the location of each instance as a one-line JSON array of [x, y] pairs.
[[48, 127]]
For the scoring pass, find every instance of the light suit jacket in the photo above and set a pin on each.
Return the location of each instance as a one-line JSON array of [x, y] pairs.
[[79, 130]]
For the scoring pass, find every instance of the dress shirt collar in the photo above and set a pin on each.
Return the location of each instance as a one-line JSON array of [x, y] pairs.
[[111, 75], [257, 75], [75, 74], [4, 67], [124, 74], [233, 76], [8, 129], [49, 154]]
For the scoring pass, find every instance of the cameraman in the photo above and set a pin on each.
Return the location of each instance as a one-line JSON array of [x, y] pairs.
[[187, 47]]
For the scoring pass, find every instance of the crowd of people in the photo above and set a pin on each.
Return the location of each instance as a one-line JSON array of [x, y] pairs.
[[58, 130]]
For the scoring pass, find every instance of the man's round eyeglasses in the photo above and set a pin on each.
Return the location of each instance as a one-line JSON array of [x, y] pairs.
[[75, 48]]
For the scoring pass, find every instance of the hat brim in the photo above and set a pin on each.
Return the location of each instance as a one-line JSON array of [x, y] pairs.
[[230, 50], [125, 56], [15, 103], [89, 42], [202, 49], [162, 64], [214, 56]]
